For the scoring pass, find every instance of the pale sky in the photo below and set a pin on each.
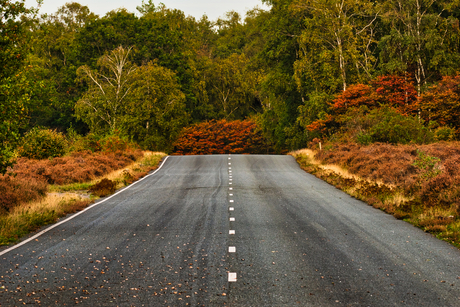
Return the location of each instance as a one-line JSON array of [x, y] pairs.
[[196, 8]]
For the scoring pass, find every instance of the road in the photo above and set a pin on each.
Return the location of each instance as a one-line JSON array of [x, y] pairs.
[[235, 230]]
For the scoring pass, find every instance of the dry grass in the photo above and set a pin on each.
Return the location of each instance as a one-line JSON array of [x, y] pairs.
[[332, 168]]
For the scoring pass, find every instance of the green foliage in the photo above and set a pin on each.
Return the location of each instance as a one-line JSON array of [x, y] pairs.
[[385, 125], [428, 165], [155, 110], [13, 94], [364, 138], [444, 133], [392, 127], [41, 143]]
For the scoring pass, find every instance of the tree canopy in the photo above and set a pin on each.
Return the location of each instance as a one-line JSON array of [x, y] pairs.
[[291, 68]]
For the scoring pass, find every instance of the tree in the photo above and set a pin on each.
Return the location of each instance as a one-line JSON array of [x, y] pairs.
[[54, 61], [279, 95], [13, 98], [143, 103], [154, 112], [419, 40], [441, 103], [101, 106], [336, 43], [232, 86]]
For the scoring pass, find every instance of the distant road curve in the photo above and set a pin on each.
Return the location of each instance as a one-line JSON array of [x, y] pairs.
[[231, 230]]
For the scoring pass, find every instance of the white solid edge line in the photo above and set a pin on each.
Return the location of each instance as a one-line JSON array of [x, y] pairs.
[[77, 214]]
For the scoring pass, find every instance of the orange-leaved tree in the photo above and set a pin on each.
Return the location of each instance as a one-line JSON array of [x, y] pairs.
[[221, 137], [442, 102], [393, 91]]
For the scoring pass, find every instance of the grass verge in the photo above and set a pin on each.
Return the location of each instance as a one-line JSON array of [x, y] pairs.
[[440, 220], [69, 198]]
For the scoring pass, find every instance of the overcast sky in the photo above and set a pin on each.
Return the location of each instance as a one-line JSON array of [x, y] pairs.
[[196, 8]]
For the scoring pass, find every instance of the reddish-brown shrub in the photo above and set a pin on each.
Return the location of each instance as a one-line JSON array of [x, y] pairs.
[[17, 190], [78, 167], [393, 164], [221, 137], [103, 188], [397, 92]]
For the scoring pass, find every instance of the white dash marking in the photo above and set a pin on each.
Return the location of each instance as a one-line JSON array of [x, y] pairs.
[[231, 209], [232, 249], [229, 183], [229, 176], [229, 163], [231, 232], [232, 219], [230, 189], [230, 194], [229, 168], [231, 200], [231, 277]]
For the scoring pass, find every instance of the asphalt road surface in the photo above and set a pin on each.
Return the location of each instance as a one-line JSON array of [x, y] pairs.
[[233, 230]]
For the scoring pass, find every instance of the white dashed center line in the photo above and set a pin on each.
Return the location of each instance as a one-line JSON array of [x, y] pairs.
[[231, 249]]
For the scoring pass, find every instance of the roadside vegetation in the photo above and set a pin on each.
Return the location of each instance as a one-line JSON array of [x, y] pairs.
[[37, 192], [417, 183], [83, 95]]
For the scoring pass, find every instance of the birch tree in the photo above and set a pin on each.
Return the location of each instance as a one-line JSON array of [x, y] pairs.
[[101, 107], [419, 39], [336, 44]]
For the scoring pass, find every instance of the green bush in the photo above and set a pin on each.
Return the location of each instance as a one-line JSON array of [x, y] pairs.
[[385, 125], [41, 143], [395, 128], [364, 138], [444, 134]]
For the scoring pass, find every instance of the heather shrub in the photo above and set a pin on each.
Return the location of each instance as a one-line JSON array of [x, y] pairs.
[[41, 143], [221, 137], [14, 191], [103, 188], [77, 167], [428, 165]]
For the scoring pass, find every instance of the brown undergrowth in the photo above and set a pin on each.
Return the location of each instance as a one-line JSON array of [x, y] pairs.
[[32, 201], [417, 183]]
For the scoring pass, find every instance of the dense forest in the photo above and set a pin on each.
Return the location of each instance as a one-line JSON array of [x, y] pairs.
[[369, 71]]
